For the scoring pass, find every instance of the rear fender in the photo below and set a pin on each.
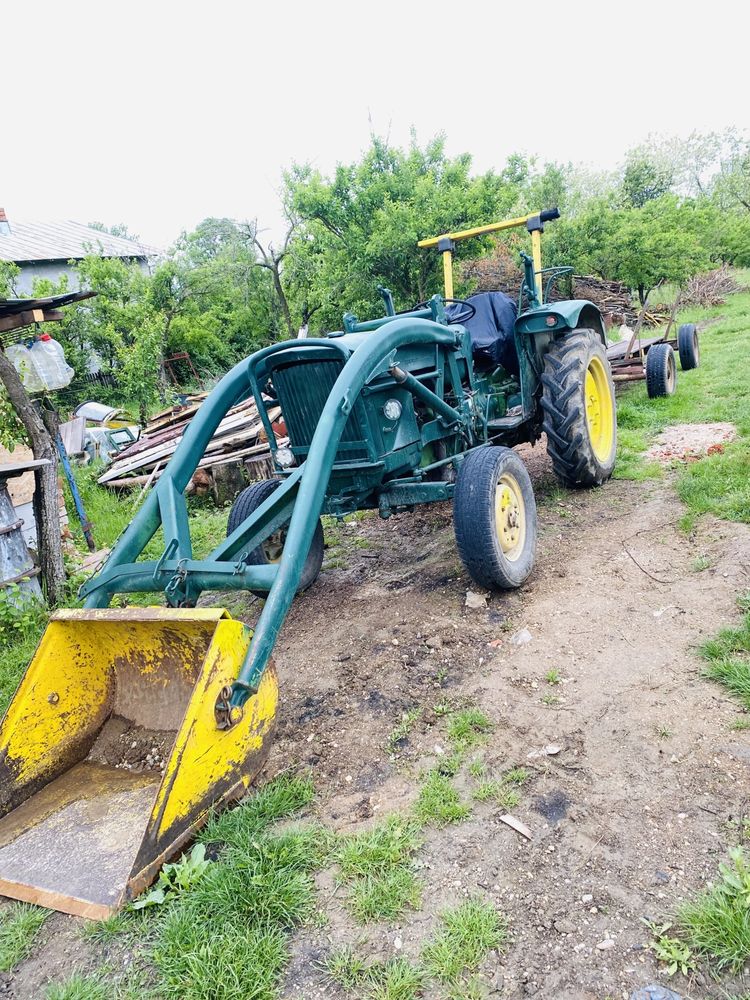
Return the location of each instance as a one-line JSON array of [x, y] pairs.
[[568, 315]]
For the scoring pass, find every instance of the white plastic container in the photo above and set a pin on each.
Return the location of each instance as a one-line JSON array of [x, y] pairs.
[[49, 360], [21, 358]]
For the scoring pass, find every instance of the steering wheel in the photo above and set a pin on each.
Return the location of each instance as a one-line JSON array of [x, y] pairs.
[[461, 316]]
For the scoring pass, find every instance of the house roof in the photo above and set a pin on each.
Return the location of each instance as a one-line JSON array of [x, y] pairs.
[[30, 241]]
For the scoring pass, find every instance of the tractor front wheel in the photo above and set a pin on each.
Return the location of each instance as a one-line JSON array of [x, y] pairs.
[[580, 418], [494, 517], [270, 550]]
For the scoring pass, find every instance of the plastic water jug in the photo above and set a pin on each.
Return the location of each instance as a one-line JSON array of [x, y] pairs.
[[22, 360], [49, 360]]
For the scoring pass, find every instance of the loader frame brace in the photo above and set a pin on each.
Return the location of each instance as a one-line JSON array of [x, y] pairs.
[[298, 500]]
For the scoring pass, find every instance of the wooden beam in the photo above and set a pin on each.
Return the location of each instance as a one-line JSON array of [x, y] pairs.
[[18, 320]]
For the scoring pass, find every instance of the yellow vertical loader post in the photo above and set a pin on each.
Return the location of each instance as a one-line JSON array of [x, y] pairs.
[[110, 757]]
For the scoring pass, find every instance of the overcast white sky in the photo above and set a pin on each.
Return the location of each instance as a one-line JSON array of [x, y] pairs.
[[160, 113]]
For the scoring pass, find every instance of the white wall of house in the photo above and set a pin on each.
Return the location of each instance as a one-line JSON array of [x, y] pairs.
[[53, 270]]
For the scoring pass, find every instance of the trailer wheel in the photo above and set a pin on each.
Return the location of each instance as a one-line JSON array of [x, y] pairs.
[[494, 518], [270, 551], [687, 345], [580, 419], [661, 371]]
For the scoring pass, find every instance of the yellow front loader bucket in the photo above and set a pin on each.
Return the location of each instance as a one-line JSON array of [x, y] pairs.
[[110, 757]]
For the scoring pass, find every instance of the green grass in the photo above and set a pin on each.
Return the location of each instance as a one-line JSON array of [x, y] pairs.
[[80, 987], [718, 390], [377, 866], [467, 728], [497, 790], [19, 925], [240, 827], [500, 790], [716, 924], [728, 656], [20, 631], [226, 938], [105, 931], [111, 511], [438, 802], [396, 979], [468, 933]]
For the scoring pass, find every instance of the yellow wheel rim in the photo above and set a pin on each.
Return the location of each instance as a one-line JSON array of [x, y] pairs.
[[600, 409], [510, 517]]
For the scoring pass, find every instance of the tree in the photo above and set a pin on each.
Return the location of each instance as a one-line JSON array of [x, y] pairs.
[[645, 179], [273, 261], [733, 182], [360, 227], [656, 243], [118, 229]]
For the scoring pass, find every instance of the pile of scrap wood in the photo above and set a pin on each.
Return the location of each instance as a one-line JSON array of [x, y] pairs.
[[239, 438], [710, 289], [501, 271]]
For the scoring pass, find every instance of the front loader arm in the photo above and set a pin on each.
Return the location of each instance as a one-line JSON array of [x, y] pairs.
[[299, 500]]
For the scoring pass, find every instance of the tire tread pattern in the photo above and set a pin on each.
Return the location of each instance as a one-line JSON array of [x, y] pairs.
[[657, 371], [474, 518], [249, 500], [564, 421]]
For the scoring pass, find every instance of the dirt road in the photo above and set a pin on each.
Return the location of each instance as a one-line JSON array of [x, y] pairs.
[[642, 800]]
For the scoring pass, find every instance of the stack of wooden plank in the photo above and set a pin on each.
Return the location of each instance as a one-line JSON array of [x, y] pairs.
[[239, 437]]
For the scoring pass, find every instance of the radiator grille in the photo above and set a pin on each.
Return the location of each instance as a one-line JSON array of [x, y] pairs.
[[303, 391]]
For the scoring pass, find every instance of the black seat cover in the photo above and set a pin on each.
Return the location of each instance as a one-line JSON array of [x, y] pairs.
[[491, 329]]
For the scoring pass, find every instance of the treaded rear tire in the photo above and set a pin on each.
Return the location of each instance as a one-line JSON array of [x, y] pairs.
[[687, 345], [565, 423], [249, 500], [661, 371], [475, 519]]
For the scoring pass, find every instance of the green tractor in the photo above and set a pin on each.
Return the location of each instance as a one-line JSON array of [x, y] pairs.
[[387, 414]]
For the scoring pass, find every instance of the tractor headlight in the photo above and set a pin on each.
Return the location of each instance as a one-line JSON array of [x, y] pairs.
[[392, 409], [285, 457]]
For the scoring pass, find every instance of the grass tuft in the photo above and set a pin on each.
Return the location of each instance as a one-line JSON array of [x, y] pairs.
[[19, 925], [396, 979], [469, 932], [496, 789], [105, 931], [467, 728], [378, 866], [274, 801], [728, 656], [345, 967], [716, 923], [439, 803]]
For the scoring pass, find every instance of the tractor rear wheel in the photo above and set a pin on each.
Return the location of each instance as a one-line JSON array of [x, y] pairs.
[[661, 371], [580, 418], [494, 517], [270, 550], [687, 345]]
